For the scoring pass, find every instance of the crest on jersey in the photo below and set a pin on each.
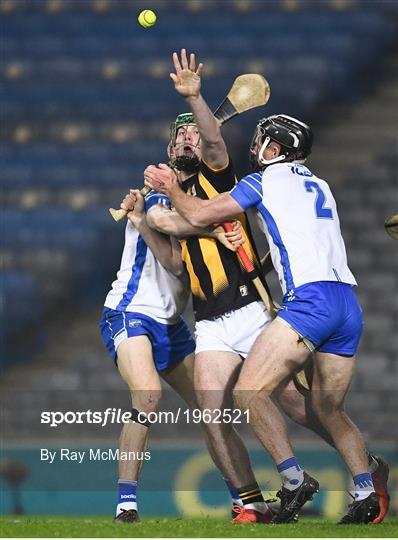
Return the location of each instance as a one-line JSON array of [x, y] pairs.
[[243, 290], [134, 323]]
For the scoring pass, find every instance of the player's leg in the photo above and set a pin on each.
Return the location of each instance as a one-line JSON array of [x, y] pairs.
[[168, 350], [129, 345], [332, 377], [215, 375], [276, 354], [180, 377], [137, 369], [295, 401], [221, 343], [333, 370]]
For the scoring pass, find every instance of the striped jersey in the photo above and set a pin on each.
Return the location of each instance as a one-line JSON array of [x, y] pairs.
[[142, 284], [218, 282], [299, 217]]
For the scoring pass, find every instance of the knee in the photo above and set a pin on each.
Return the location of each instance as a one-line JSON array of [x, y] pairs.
[[146, 401], [324, 405], [241, 397]]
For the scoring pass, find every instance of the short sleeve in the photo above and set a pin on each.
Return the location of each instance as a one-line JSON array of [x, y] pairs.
[[156, 198], [248, 192]]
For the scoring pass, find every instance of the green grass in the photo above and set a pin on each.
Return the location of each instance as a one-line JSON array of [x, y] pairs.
[[78, 527]]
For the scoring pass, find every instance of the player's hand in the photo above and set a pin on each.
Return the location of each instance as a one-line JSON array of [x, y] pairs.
[[231, 240], [186, 78], [235, 237], [129, 201], [162, 178], [134, 204]]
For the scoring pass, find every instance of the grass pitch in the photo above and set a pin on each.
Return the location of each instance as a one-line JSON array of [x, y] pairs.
[[100, 527]]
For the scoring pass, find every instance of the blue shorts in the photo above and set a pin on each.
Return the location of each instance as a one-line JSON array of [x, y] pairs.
[[327, 313], [171, 343]]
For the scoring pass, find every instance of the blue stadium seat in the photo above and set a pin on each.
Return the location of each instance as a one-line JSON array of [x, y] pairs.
[[311, 56]]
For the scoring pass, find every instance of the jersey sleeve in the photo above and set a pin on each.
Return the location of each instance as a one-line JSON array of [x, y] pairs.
[[248, 192], [221, 179], [156, 198]]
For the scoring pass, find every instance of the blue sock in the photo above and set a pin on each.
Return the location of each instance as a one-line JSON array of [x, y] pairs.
[[363, 486], [233, 492], [127, 495], [292, 474]]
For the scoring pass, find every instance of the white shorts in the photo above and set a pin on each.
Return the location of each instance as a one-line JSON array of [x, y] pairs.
[[235, 331]]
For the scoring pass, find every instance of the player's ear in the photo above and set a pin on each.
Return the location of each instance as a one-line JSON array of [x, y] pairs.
[[276, 149], [170, 151]]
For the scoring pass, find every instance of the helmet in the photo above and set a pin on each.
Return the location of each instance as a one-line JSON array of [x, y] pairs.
[[294, 136], [189, 164]]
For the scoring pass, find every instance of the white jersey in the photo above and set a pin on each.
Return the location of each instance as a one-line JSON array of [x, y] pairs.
[[143, 285], [299, 217]]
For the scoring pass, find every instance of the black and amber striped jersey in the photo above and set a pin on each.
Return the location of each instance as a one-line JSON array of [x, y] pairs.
[[218, 281]]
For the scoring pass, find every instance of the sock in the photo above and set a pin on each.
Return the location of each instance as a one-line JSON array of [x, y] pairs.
[[233, 492], [292, 474], [363, 486], [127, 496], [252, 498], [372, 463]]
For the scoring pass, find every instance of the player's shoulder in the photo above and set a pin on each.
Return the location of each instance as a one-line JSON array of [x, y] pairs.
[[254, 179], [154, 198], [207, 169], [222, 179], [150, 194], [290, 171]]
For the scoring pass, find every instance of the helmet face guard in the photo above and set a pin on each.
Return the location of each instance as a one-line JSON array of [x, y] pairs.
[[188, 164], [294, 137]]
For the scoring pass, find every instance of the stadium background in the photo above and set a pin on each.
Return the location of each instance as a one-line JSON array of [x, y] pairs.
[[86, 105]]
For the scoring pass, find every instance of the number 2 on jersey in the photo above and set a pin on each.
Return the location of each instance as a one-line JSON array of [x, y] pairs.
[[320, 210]]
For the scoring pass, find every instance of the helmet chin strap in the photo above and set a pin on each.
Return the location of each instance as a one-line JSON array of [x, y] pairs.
[[264, 161]]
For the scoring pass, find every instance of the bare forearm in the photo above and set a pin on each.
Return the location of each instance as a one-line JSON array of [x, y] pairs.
[[161, 247], [206, 122], [202, 213], [171, 223], [214, 151]]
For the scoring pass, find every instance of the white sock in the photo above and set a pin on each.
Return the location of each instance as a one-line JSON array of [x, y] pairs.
[[125, 506], [292, 475], [363, 486]]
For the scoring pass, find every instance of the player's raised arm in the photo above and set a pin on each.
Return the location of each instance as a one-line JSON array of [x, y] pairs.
[[187, 82]]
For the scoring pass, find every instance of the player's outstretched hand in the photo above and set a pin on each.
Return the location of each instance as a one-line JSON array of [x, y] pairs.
[[162, 178], [186, 78]]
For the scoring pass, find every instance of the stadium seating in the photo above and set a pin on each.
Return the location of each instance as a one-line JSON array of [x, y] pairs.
[[86, 104]]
